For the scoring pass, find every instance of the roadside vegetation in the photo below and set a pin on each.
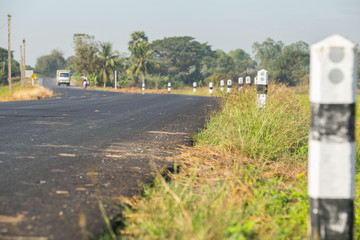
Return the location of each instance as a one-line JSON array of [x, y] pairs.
[[20, 93], [245, 178]]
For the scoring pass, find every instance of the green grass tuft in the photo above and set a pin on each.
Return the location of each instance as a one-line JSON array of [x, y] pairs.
[[277, 132]]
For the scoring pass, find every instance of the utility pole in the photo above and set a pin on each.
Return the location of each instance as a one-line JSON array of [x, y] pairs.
[[24, 66], [9, 55], [21, 67]]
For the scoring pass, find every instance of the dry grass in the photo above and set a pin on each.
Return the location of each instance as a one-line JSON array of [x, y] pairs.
[[218, 195], [28, 93], [212, 164], [247, 180]]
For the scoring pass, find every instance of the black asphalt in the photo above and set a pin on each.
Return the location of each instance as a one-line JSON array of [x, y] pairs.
[[59, 156]]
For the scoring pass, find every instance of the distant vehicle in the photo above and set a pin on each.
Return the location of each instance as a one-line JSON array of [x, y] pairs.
[[63, 77]]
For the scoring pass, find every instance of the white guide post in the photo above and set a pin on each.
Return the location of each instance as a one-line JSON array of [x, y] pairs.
[[241, 83], [169, 87], [229, 85], [248, 80], [211, 88], [262, 86], [331, 188], [115, 78], [222, 83], [194, 86]]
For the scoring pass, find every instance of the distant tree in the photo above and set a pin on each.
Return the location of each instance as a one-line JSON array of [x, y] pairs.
[[3, 65], [224, 63], [141, 55], [242, 61], [69, 63], [136, 38], [286, 64], [227, 66], [296, 63], [15, 70], [86, 48], [267, 52], [215, 78], [48, 64], [180, 57], [107, 60]]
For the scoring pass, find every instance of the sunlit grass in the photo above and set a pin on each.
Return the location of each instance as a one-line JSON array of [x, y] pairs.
[[246, 178], [236, 183], [19, 93]]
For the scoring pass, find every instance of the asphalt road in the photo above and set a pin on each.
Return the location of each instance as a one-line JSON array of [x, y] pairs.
[[59, 156]]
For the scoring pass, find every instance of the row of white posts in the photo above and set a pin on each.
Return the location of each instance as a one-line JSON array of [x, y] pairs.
[[261, 82]]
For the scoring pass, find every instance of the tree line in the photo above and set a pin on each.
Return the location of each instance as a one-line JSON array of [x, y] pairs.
[[15, 66], [179, 60]]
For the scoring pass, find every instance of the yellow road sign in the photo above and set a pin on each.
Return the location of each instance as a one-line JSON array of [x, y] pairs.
[[32, 76]]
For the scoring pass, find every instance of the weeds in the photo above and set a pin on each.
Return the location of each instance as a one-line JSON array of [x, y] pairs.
[[277, 132], [226, 196], [244, 179]]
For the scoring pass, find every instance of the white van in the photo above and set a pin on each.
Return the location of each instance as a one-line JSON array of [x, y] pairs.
[[63, 77]]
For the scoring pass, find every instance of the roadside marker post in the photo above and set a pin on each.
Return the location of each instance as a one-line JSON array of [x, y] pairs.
[[332, 151], [115, 78], [194, 86], [241, 83], [261, 82], [222, 83], [229, 85], [169, 87], [211, 88], [248, 80], [143, 88]]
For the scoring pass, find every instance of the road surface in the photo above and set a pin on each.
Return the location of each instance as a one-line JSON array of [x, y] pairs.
[[59, 156]]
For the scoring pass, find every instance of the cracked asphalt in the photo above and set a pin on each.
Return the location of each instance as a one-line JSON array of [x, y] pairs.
[[59, 156]]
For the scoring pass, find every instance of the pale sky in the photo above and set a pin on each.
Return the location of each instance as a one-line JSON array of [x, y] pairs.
[[223, 24]]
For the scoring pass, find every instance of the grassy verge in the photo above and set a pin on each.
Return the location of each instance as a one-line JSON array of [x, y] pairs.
[[246, 178], [19, 93]]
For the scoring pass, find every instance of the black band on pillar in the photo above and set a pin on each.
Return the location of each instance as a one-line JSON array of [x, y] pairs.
[[333, 122], [331, 219]]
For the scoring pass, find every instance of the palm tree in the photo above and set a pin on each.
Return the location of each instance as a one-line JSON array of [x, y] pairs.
[[142, 55], [136, 37], [107, 58]]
